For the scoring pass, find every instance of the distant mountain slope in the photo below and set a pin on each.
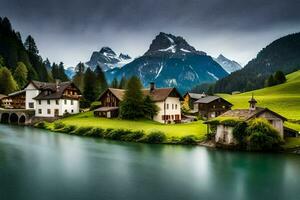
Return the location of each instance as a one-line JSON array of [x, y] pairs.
[[229, 65], [107, 59], [282, 54], [171, 62], [283, 98]]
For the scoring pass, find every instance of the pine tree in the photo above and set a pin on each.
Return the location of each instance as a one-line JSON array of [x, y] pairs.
[[271, 81], [21, 74], [1, 61], [150, 109], [132, 104], [31, 46], [101, 83], [61, 72], [123, 82], [114, 83], [79, 75], [279, 77], [89, 91], [7, 82]]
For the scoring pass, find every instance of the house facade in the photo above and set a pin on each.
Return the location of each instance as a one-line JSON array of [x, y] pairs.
[[46, 99], [212, 106], [224, 133], [167, 100], [189, 99]]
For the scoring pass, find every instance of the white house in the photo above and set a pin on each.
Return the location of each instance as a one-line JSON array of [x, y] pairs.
[[52, 99], [167, 100]]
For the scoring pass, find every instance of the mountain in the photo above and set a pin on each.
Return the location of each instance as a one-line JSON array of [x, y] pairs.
[[70, 72], [107, 59], [171, 62], [282, 54], [229, 65]]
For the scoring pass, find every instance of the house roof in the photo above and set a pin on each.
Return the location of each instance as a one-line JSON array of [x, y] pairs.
[[16, 93], [158, 94], [2, 96], [209, 99], [57, 92], [195, 95], [247, 114]]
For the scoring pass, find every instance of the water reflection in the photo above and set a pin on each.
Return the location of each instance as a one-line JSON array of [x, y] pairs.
[[36, 163]]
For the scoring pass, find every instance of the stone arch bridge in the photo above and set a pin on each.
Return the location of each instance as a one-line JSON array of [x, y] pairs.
[[16, 116]]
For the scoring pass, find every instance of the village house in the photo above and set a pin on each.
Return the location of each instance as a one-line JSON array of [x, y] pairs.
[[224, 133], [46, 99], [167, 100], [211, 106], [189, 99]]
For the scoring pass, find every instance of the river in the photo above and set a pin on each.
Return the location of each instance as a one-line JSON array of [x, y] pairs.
[[40, 165]]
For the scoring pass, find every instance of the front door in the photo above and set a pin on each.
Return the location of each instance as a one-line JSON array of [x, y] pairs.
[[56, 112]]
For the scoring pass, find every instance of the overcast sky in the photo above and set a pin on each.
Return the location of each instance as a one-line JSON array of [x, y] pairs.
[[70, 30]]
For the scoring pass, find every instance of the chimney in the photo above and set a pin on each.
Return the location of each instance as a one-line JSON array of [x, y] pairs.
[[57, 82], [152, 86]]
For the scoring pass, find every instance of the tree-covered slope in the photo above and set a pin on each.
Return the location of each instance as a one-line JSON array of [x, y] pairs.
[[282, 54]]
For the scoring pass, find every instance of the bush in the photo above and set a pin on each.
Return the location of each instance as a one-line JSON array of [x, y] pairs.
[[67, 129], [41, 124], [82, 131], [58, 125], [95, 105], [262, 136], [96, 132], [118, 134], [155, 137], [189, 139], [134, 136], [239, 132]]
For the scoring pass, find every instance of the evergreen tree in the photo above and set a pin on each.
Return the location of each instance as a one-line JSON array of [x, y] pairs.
[[150, 109], [114, 83], [79, 75], [271, 81], [123, 82], [101, 83], [54, 71], [1, 61], [31, 46], [7, 82], [61, 72], [279, 77], [132, 105], [89, 91], [20, 74], [47, 64]]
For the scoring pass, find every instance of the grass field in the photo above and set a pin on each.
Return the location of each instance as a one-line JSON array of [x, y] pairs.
[[284, 99], [177, 130]]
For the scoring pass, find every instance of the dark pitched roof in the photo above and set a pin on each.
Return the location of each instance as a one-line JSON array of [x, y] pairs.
[[195, 95], [158, 94], [209, 99], [56, 92], [247, 114]]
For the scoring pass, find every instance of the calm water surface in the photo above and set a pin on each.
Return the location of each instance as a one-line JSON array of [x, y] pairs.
[[39, 165]]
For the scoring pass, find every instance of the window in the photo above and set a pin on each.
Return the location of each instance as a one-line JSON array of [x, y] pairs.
[[57, 102], [65, 101], [48, 102], [48, 111], [31, 105], [72, 102], [72, 111], [66, 111], [40, 111], [40, 102], [167, 106], [172, 106]]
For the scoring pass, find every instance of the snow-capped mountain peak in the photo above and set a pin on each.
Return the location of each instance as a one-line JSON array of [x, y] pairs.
[[227, 64]]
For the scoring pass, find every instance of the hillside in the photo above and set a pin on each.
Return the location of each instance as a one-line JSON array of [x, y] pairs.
[[171, 62], [283, 54], [284, 98]]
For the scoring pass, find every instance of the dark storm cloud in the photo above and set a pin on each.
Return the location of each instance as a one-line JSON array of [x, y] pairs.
[[69, 19]]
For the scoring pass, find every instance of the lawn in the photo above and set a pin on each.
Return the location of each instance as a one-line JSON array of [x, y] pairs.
[[177, 130]]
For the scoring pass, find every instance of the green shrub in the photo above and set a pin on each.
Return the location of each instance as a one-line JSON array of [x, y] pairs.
[[41, 125], [262, 136], [134, 136], [96, 132], [82, 131], [239, 132], [118, 134], [155, 137], [67, 129], [58, 125], [189, 139], [95, 105]]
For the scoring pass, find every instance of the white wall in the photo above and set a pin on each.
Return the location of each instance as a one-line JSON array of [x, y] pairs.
[[224, 135], [31, 92], [62, 107], [168, 111]]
